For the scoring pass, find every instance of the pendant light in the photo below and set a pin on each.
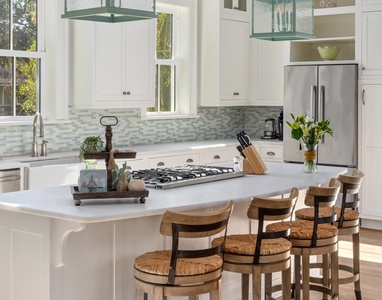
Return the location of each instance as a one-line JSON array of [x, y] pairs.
[[281, 20], [110, 11]]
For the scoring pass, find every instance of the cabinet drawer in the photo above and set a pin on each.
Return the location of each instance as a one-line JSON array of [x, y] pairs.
[[269, 153], [214, 157], [172, 161]]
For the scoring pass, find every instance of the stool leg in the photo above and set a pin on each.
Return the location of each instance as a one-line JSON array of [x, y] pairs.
[[244, 286], [325, 273], [356, 265], [305, 274], [216, 294], [256, 284], [334, 274], [268, 285], [140, 295], [286, 283], [297, 277]]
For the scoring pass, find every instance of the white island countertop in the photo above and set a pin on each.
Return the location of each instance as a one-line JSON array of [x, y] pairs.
[[58, 203]]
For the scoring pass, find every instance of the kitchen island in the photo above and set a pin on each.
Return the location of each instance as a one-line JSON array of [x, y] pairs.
[[54, 250]]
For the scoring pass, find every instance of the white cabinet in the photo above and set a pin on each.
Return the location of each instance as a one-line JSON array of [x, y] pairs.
[[113, 65], [371, 60], [191, 158], [267, 72], [270, 151], [224, 57], [332, 26], [371, 150], [236, 9]]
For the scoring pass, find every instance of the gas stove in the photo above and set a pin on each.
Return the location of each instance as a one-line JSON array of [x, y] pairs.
[[166, 178]]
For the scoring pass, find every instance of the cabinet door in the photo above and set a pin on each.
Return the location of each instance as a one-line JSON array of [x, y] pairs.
[[371, 147], [236, 9], [234, 60], [125, 64], [267, 69], [110, 62], [371, 44]]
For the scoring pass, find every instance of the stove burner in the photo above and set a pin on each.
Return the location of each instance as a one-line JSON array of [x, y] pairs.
[[163, 178]]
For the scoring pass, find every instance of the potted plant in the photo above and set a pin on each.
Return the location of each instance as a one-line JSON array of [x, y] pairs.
[[91, 144]]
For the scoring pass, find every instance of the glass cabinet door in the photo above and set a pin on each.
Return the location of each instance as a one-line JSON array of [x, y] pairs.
[[236, 4]]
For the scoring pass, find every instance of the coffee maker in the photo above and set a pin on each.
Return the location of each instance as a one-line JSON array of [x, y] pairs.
[[280, 125], [270, 130]]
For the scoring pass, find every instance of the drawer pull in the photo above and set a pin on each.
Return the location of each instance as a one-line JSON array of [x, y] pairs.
[[190, 160], [160, 164], [271, 153], [236, 93], [217, 156]]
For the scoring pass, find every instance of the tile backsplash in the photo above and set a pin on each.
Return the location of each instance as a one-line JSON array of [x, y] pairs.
[[213, 123]]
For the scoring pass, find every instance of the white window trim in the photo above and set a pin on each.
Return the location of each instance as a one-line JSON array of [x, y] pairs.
[[52, 42], [187, 49]]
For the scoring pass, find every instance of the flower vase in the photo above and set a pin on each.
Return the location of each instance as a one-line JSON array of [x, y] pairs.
[[309, 165]]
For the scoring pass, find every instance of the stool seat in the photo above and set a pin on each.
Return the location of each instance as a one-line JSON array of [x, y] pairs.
[[350, 216], [158, 263], [245, 244], [303, 230]]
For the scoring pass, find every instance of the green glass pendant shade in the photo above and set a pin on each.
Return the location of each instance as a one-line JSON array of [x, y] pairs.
[[281, 20], [110, 11]]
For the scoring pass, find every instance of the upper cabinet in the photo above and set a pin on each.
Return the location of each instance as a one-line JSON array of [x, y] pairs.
[[236, 9], [267, 72], [112, 64], [334, 26], [371, 59], [224, 53]]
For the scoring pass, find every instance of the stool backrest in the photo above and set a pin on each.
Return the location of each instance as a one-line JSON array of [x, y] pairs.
[[320, 196], [350, 185], [194, 225], [271, 209]]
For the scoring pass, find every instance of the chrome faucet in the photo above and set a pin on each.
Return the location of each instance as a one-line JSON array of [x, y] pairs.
[[37, 117]]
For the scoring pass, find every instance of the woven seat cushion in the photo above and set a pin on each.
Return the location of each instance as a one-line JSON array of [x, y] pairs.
[[158, 263], [244, 244], [308, 213], [304, 229]]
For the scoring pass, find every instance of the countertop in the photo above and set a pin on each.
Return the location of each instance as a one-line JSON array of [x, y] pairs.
[[12, 162], [57, 202]]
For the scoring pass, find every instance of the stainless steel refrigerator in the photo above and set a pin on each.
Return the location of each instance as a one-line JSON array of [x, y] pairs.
[[324, 92]]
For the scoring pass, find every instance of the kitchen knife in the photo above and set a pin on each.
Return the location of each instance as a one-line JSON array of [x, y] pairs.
[[240, 149]]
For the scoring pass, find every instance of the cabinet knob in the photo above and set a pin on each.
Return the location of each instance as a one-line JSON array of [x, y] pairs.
[[363, 68], [160, 164], [190, 160], [217, 157], [235, 8], [236, 93], [126, 93]]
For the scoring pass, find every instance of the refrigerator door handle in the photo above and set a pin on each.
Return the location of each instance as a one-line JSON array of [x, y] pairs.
[[321, 109], [313, 92]]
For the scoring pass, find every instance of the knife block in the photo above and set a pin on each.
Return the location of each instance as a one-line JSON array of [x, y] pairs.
[[253, 163]]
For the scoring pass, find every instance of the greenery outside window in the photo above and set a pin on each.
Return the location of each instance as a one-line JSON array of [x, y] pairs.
[[175, 58], [21, 57]]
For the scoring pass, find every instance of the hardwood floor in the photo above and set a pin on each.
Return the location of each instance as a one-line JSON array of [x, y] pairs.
[[371, 266]]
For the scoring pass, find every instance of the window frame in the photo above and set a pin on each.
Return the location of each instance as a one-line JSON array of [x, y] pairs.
[[185, 51], [52, 46]]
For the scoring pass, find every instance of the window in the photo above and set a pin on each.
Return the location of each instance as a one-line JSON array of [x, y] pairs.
[[20, 57], [175, 60], [166, 65]]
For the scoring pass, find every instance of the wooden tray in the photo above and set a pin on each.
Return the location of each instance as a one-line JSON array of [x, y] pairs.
[[78, 196]]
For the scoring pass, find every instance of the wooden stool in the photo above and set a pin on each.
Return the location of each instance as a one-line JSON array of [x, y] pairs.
[[348, 223], [179, 272], [264, 252], [312, 238]]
